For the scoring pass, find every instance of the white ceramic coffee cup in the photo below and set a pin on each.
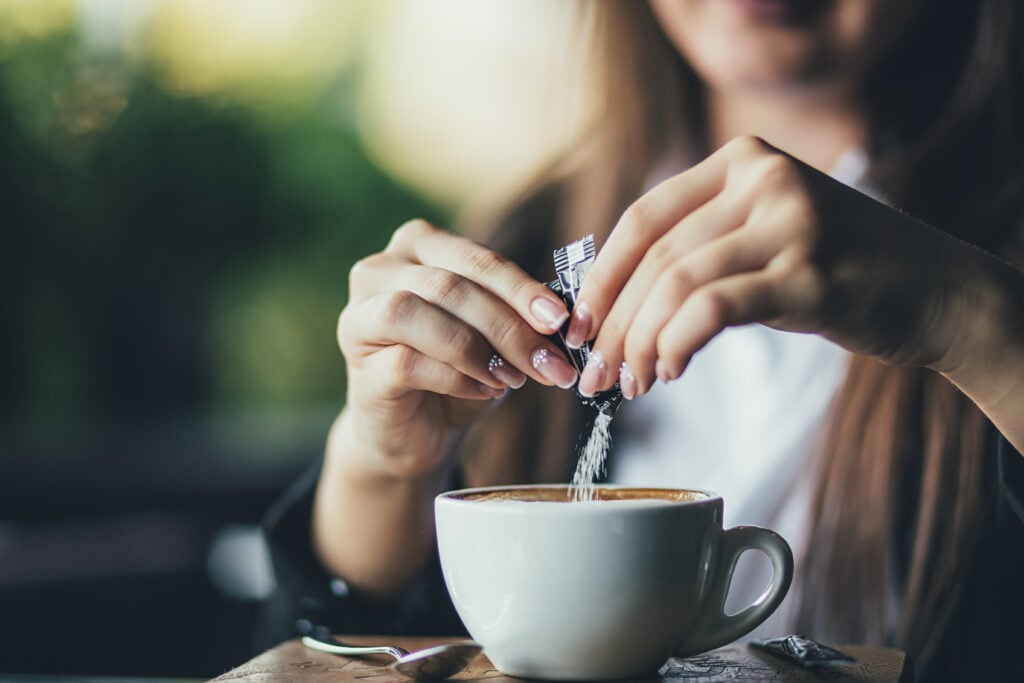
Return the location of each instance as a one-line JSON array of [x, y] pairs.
[[598, 590]]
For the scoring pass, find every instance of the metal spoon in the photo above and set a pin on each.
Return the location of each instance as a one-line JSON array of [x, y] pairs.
[[431, 663]]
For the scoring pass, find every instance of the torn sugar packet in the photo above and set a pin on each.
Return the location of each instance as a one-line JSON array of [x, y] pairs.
[[804, 651], [571, 265]]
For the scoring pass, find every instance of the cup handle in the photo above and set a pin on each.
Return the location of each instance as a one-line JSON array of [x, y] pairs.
[[714, 628]]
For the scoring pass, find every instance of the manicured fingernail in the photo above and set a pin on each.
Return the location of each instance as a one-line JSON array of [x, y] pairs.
[[627, 382], [661, 370], [553, 368], [593, 374], [491, 391], [504, 372], [548, 313], [579, 328]]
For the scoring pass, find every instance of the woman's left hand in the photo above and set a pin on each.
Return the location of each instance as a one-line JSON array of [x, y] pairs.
[[753, 235]]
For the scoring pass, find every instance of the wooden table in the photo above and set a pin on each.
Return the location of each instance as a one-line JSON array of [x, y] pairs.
[[291, 661]]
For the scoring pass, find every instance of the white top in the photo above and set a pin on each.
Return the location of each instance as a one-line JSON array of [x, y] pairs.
[[743, 421]]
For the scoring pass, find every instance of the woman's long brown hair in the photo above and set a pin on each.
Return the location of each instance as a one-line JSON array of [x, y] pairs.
[[904, 481]]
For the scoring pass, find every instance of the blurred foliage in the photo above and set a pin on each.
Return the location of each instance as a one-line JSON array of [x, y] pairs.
[[167, 253], [265, 52]]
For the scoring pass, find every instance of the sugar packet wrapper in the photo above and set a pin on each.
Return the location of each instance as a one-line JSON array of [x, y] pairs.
[[803, 651], [571, 265]]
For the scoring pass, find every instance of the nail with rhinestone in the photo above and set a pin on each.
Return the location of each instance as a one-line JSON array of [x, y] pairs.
[[627, 382], [553, 368], [504, 372], [593, 374]]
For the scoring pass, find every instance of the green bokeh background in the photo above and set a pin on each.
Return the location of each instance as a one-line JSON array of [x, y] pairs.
[[166, 254]]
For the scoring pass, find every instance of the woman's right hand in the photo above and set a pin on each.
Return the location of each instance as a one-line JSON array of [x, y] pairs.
[[436, 328]]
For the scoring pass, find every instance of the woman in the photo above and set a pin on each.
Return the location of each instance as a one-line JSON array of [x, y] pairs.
[[905, 509]]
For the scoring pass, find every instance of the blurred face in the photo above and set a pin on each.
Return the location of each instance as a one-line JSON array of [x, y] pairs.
[[783, 45]]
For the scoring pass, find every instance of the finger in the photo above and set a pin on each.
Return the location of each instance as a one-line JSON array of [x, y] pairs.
[[368, 276], [643, 223], [732, 301], [399, 369], [513, 339], [534, 302], [636, 345], [715, 218], [404, 318], [732, 255]]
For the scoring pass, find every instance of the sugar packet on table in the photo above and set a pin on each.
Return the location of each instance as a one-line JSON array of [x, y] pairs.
[[571, 265], [803, 651]]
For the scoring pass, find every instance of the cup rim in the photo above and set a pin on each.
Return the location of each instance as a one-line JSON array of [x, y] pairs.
[[459, 495]]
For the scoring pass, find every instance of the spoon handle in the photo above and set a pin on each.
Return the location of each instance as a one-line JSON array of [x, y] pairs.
[[324, 642]]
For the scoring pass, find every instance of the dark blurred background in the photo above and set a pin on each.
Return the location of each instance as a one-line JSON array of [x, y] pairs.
[[184, 185]]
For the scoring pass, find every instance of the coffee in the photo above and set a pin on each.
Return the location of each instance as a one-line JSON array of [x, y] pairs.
[[562, 494]]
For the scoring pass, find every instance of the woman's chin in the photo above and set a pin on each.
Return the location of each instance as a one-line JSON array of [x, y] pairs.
[[780, 12]]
